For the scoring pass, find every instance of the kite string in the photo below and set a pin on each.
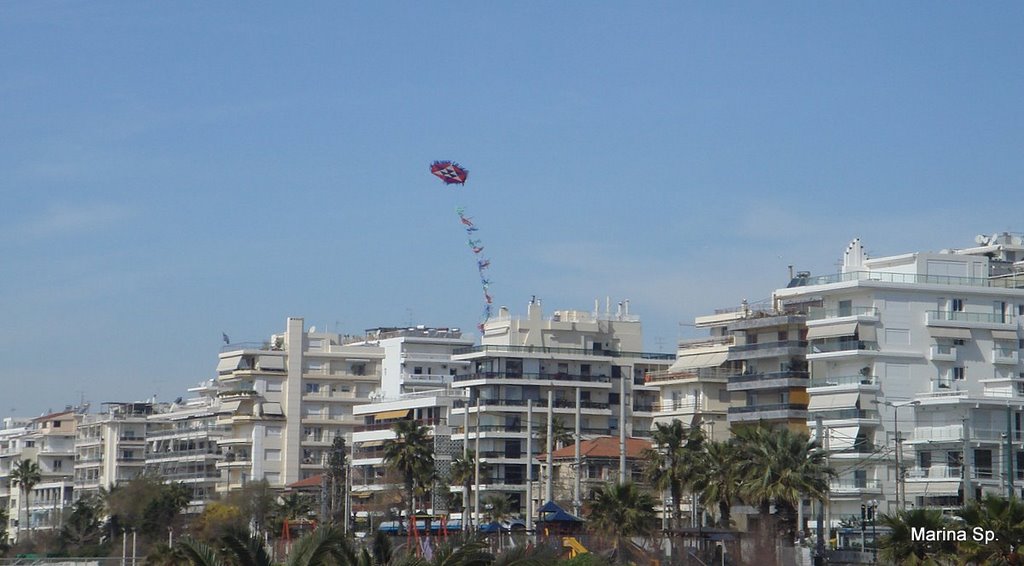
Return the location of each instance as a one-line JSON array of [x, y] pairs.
[[482, 263]]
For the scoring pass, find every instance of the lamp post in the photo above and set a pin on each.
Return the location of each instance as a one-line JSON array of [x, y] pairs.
[[873, 517], [901, 491]]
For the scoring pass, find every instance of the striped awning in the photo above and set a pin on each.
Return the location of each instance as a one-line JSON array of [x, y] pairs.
[[946, 332], [388, 415], [832, 331], [834, 401]]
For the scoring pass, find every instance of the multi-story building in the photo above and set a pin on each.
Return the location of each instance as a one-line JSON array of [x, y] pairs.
[[915, 373], [289, 398], [110, 446], [598, 466], [49, 441], [183, 444], [12, 444], [416, 378], [594, 358]]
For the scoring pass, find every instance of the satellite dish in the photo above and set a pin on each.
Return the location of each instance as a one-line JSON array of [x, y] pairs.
[[980, 239], [312, 329]]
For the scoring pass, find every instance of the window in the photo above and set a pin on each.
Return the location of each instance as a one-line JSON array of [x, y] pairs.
[[272, 455], [418, 370], [751, 338], [312, 388], [957, 373], [724, 396], [273, 431], [314, 366], [58, 464], [783, 335], [924, 460], [56, 424], [613, 423], [358, 369], [274, 386], [983, 463], [956, 305], [959, 342]]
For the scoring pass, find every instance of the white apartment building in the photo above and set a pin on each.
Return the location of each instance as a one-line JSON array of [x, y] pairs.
[[183, 444], [915, 359], [590, 356], [49, 442], [110, 446], [290, 397], [12, 443], [417, 373]]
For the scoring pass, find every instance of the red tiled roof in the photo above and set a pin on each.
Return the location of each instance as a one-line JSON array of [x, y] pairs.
[[51, 416], [603, 447], [313, 481]]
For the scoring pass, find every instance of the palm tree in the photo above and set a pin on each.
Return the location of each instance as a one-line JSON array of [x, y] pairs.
[[716, 479], [780, 467], [622, 511], [560, 435], [1005, 519], [456, 552], [26, 475], [899, 547], [325, 545], [671, 465], [410, 454], [463, 472], [498, 507]]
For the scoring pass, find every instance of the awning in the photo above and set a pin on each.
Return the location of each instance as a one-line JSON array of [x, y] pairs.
[[832, 331], [936, 488], [371, 444], [271, 362], [1004, 335], [866, 333], [842, 437], [273, 410], [834, 401], [387, 415], [944, 332], [711, 360], [226, 365], [229, 406]]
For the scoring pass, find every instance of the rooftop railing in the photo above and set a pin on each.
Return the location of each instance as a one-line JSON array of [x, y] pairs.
[[533, 376], [510, 349], [818, 313], [910, 278]]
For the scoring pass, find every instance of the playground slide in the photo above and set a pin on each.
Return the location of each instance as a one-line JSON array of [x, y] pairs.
[[574, 546]]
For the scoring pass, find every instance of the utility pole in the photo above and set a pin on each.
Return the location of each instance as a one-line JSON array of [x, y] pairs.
[[577, 501], [1009, 452], [549, 488], [622, 425], [968, 489], [820, 547], [476, 465], [529, 466]]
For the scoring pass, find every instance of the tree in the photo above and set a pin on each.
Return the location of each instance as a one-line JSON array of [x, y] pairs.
[[83, 527], [716, 479], [622, 511], [561, 436], [147, 505], [337, 475], [781, 467], [463, 472], [25, 475], [497, 506], [410, 454], [325, 545], [900, 547], [672, 464], [3, 531], [1005, 519]]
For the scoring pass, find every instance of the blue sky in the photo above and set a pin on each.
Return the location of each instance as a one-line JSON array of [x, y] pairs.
[[172, 171]]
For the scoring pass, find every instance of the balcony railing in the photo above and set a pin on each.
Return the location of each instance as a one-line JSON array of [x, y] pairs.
[[766, 408], [818, 313], [844, 380], [844, 414], [560, 376], [714, 374], [850, 484], [961, 316], [558, 403], [503, 349], [744, 378], [884, 277], [832, 345], [769, 346]]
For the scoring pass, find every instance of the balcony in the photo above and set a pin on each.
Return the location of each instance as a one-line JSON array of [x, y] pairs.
[[853, 486], [904, 278], [963, 319], [865, 314], [833, 348], [1006, 356], [768, 380], [716, 375], [780, 411], [500, 350], [844, 382], [560, 376], [942, 353], [767, 350], [858, 416]]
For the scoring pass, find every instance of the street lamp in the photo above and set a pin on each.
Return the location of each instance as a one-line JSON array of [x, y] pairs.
[[901, 491]]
